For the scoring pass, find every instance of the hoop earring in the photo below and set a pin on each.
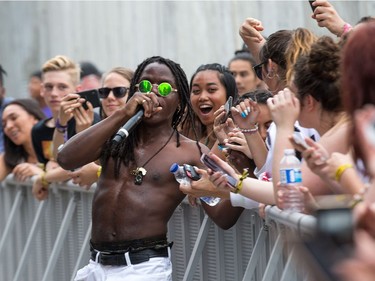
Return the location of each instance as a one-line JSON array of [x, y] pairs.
[[269, 75]]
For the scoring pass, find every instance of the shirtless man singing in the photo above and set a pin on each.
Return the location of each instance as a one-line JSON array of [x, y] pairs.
[[136, 194]]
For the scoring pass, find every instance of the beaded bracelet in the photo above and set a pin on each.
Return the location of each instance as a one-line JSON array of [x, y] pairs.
[[340, 170], [244, 175], [250, 131], [60, 128]]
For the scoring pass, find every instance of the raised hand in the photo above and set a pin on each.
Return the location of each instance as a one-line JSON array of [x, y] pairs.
[[326, 16], [250, 31], [67, 106], [221, 129], [83, 118], [245, 114], [237, 141], [285, 108]]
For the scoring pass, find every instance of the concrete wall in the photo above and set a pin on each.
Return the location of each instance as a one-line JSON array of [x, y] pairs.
[[123, 33]]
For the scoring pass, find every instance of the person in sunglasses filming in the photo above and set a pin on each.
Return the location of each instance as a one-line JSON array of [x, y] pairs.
[[136, 194], [113, 95], [115, 90]]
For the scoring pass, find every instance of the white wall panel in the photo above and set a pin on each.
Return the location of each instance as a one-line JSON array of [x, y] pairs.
[[123, 33]]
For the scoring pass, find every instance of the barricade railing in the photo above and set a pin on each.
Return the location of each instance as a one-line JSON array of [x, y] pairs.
[[49, 240]]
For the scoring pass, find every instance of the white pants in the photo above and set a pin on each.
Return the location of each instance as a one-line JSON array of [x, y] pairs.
[[156, 269]]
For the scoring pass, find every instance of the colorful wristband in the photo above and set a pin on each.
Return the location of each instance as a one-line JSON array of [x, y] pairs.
[[45, 183], [60, 128], [340, 170], [239, 184], [99, 172]]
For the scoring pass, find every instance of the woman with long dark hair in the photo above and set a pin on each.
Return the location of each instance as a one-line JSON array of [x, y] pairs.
[[19, 116]]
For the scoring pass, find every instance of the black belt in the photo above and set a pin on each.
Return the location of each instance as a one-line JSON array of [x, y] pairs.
[[135, 257]]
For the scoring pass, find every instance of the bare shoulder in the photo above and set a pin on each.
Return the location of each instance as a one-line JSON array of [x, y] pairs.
[[189, 151], [193, 144], [336, 139]]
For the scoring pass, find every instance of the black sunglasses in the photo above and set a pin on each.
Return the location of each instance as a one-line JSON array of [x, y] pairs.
[[118, 92], [258, 70]]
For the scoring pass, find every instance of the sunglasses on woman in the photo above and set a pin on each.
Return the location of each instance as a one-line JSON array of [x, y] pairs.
[[118, 92], [258, 70], [164, 89]]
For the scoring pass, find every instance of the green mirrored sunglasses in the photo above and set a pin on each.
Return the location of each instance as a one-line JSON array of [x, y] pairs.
[[164, 89]]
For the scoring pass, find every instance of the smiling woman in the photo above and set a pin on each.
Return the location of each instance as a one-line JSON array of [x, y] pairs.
[[19, 116], [115, 90], [210, 86]]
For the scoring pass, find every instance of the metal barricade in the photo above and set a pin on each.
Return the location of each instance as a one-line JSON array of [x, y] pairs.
[[49, 240]]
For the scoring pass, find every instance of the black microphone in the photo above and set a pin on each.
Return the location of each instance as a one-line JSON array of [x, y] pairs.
[[129, 125]]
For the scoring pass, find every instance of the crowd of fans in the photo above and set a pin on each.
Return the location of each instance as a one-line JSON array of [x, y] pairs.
[[290, 81]]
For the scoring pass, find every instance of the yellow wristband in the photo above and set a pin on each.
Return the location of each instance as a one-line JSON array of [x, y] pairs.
[[239, 184], [340, 170], [45, 183], [99, 172]]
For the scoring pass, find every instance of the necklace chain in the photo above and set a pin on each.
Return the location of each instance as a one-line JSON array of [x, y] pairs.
[[140, 171]]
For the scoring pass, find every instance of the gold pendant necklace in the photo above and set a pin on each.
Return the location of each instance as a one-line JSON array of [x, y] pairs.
[[140, 172]]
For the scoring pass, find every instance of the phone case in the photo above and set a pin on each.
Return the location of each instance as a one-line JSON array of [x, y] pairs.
[[227, 107], [92, 96], [191, 173], [205, 159], [312, 7]]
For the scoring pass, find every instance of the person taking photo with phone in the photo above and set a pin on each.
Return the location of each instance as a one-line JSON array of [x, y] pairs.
[[210, 87], [113, 94], [321, 109], [60, 78]]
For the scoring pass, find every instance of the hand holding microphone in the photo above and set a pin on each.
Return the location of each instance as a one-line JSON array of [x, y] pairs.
[[150, 106]]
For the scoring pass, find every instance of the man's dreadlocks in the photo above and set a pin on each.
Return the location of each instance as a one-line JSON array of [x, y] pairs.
[[123, 152]]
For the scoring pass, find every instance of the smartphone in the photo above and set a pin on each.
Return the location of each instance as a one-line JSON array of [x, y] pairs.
[[227, 107], [191, 173], [299, 139], [205, 159], [312, 7], [92, 96]]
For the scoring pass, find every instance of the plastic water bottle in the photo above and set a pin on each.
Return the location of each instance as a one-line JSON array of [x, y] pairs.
[[182, 178], [290, 178]]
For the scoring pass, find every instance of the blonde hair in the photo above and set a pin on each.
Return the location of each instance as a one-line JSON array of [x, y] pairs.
[[63, 63], [300, 44], [127, 73]]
